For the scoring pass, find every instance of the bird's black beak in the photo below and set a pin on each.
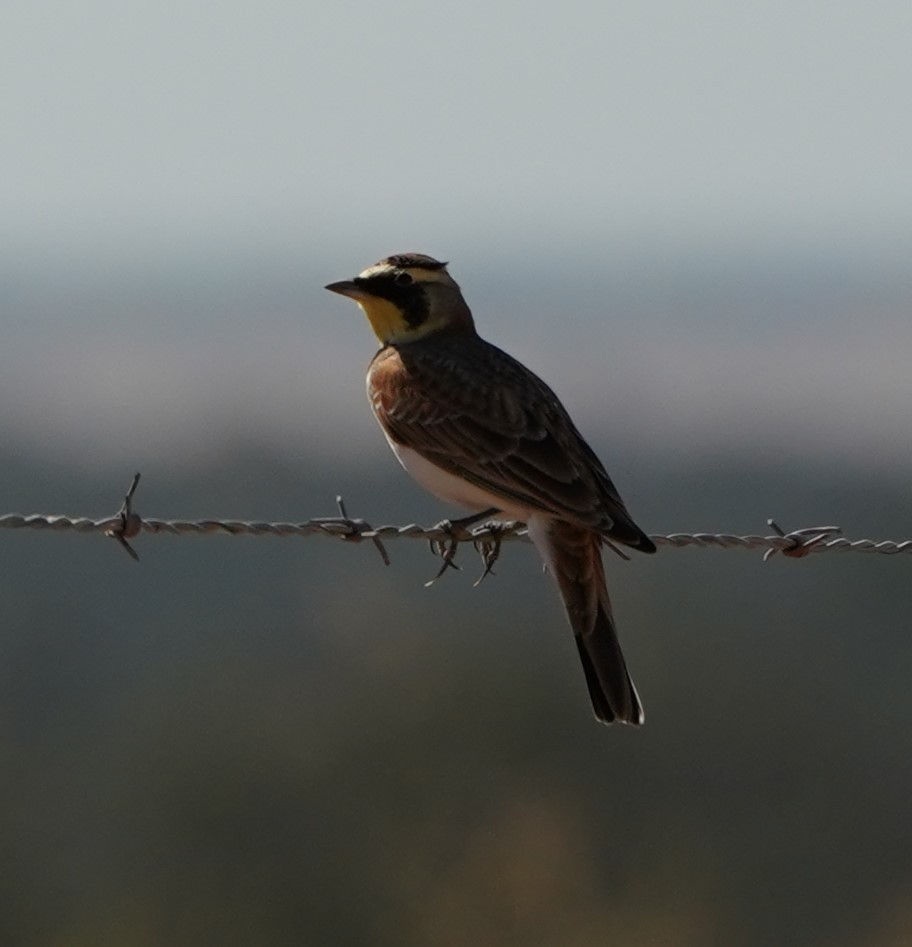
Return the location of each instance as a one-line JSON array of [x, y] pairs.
[[346, 287]]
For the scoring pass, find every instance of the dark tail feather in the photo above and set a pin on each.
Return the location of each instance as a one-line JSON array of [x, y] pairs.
[[576, 559], [611, 691]]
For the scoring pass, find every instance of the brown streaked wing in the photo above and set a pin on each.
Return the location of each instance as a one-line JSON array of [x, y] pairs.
[[476, 412]]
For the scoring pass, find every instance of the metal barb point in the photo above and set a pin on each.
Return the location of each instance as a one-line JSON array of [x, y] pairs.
[[359, 529], [129, 522], [616, 550], [801, 542]]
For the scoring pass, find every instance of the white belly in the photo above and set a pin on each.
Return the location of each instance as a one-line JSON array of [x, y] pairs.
[[455, 490]]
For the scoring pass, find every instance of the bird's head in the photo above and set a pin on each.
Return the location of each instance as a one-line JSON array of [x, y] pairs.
[[407, 297]]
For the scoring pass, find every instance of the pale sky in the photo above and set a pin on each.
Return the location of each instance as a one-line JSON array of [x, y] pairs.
[[451, 123], [682, 192]]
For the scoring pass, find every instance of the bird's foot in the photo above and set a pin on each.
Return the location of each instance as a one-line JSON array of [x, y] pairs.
[[489, 550], [455, 532], [446, 549]]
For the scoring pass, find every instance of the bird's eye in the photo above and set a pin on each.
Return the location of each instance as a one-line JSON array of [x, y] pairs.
[[403, 279]]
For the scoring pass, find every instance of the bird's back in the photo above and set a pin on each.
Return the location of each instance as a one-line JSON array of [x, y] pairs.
[[478, 412]]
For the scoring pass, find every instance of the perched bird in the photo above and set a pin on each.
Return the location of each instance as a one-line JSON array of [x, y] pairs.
[[479, 430]]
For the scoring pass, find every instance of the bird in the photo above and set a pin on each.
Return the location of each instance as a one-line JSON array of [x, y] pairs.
[[480, 431]]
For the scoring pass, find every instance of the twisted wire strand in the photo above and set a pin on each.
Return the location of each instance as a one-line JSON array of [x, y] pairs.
[[127, 524]]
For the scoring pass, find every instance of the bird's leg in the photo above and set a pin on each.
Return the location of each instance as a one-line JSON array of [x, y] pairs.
[[489, 550], [456, 531]]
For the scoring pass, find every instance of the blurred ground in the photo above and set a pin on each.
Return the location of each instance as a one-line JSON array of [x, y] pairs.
[[281, 741]]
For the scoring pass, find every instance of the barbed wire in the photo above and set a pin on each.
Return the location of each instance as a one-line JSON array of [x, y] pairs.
[[443, 537]]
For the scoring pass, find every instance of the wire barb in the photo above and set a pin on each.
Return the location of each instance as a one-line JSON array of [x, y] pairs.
[[800, 542], [445, 537], [358, 529], [129, 523]]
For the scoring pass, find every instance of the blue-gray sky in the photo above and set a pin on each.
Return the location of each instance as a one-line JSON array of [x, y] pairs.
[[388, 122], [713, 197]]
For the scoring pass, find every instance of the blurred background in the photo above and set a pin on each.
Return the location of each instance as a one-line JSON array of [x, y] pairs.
[[695, 220]]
